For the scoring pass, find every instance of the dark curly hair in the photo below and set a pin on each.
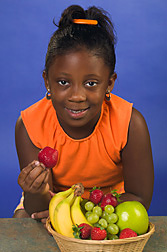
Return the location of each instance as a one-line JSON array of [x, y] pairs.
[[98, 39]]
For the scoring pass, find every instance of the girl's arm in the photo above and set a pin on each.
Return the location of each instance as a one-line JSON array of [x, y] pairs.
[[137, 161], [33, 178]]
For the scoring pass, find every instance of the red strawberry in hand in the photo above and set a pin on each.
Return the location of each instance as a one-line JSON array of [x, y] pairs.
[[98, 233], [110, 199], [85, 230], [126, 233], [96, 195], [48, 156]]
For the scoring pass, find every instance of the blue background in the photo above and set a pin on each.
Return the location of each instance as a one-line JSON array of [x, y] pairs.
[[25, 29]]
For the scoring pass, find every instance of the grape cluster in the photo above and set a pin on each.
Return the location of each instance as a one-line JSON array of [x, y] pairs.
[[106, 219]]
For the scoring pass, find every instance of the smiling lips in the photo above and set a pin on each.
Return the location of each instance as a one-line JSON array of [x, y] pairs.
[[77, 113]]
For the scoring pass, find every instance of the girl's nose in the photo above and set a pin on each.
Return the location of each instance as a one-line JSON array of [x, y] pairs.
[[77, 94]]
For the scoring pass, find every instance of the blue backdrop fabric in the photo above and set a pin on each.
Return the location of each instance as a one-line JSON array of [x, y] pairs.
[[141, 50]]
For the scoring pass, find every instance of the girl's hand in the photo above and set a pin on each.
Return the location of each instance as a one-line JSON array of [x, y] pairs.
[[34, 178], [42, 216]]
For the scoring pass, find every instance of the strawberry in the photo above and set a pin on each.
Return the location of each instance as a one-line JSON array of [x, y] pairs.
[[110, 199], [82, 231], [48, 156], [96, 195], [126, 233], [85, 230], [98, 233]]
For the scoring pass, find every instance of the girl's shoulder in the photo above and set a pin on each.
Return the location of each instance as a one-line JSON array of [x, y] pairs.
[[138, 124], [120, 103], [37, 119], [115, 121], [119, 111], [40, 106]]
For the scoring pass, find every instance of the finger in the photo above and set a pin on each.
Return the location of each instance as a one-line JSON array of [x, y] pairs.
[[46, 179], [34, 174], [25, 171], [51, 193], [40, 181], [22, 179], [44, 220], [34, 170], [42, 165], [40, 215], [34, 164]]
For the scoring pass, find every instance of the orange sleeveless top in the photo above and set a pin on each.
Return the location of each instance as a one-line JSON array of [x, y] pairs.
[[94, 160]]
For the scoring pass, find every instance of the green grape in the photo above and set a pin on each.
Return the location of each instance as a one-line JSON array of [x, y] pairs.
[[104, 215], [112, 218], [93, 218], [88, 213], [112, 237], [89, 206], [97, 210], [109, 209], [103, 223], [83, 202], [113, 229]]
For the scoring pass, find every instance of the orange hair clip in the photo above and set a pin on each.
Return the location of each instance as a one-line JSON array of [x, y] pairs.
[[85, 21]]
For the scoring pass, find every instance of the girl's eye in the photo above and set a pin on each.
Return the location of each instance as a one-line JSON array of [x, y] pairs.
[[63, 82], [91, 83]]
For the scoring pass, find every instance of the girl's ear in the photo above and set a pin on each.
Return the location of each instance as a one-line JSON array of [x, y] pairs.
[[44, 75], [112, 82]]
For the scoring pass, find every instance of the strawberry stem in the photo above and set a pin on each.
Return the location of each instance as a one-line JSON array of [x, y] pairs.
[[76, 231], [115, 194], [94, 188]]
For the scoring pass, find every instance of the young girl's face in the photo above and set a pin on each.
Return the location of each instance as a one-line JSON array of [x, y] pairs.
[[78, 82]]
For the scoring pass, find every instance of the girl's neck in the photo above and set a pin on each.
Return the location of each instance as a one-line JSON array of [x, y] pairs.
[[80, 132]]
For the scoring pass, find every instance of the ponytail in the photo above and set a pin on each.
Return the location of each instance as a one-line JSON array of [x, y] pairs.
[[100, 39]]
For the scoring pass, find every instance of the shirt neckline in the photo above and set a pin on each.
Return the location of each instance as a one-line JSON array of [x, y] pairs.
[[82, 139]]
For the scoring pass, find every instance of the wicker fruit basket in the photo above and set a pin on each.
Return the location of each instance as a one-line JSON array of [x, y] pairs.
[[135, 244]]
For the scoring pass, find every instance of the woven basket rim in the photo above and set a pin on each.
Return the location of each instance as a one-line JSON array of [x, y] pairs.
[[117, 241]]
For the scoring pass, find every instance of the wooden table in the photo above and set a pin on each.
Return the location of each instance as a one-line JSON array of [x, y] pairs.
[[28, 235]]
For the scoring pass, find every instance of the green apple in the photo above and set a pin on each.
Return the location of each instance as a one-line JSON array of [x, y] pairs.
[[132, 214]]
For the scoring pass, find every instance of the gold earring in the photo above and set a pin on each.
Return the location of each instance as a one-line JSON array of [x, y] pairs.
[[108, 95], [48, 94]]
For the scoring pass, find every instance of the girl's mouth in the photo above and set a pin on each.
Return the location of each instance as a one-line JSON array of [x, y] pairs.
[[77, 113]]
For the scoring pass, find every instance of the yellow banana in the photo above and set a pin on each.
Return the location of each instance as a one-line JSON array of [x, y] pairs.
[[62, 216], [76, 212], [58, 197]]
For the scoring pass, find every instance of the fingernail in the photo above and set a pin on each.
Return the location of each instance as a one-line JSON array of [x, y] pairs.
[[36, 163], [32, 216], [43, 166]]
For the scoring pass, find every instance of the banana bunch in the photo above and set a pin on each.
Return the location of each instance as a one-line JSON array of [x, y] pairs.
[[65, 210]]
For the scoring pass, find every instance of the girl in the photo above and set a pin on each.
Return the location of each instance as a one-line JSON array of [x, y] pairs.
[[101, 139]]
